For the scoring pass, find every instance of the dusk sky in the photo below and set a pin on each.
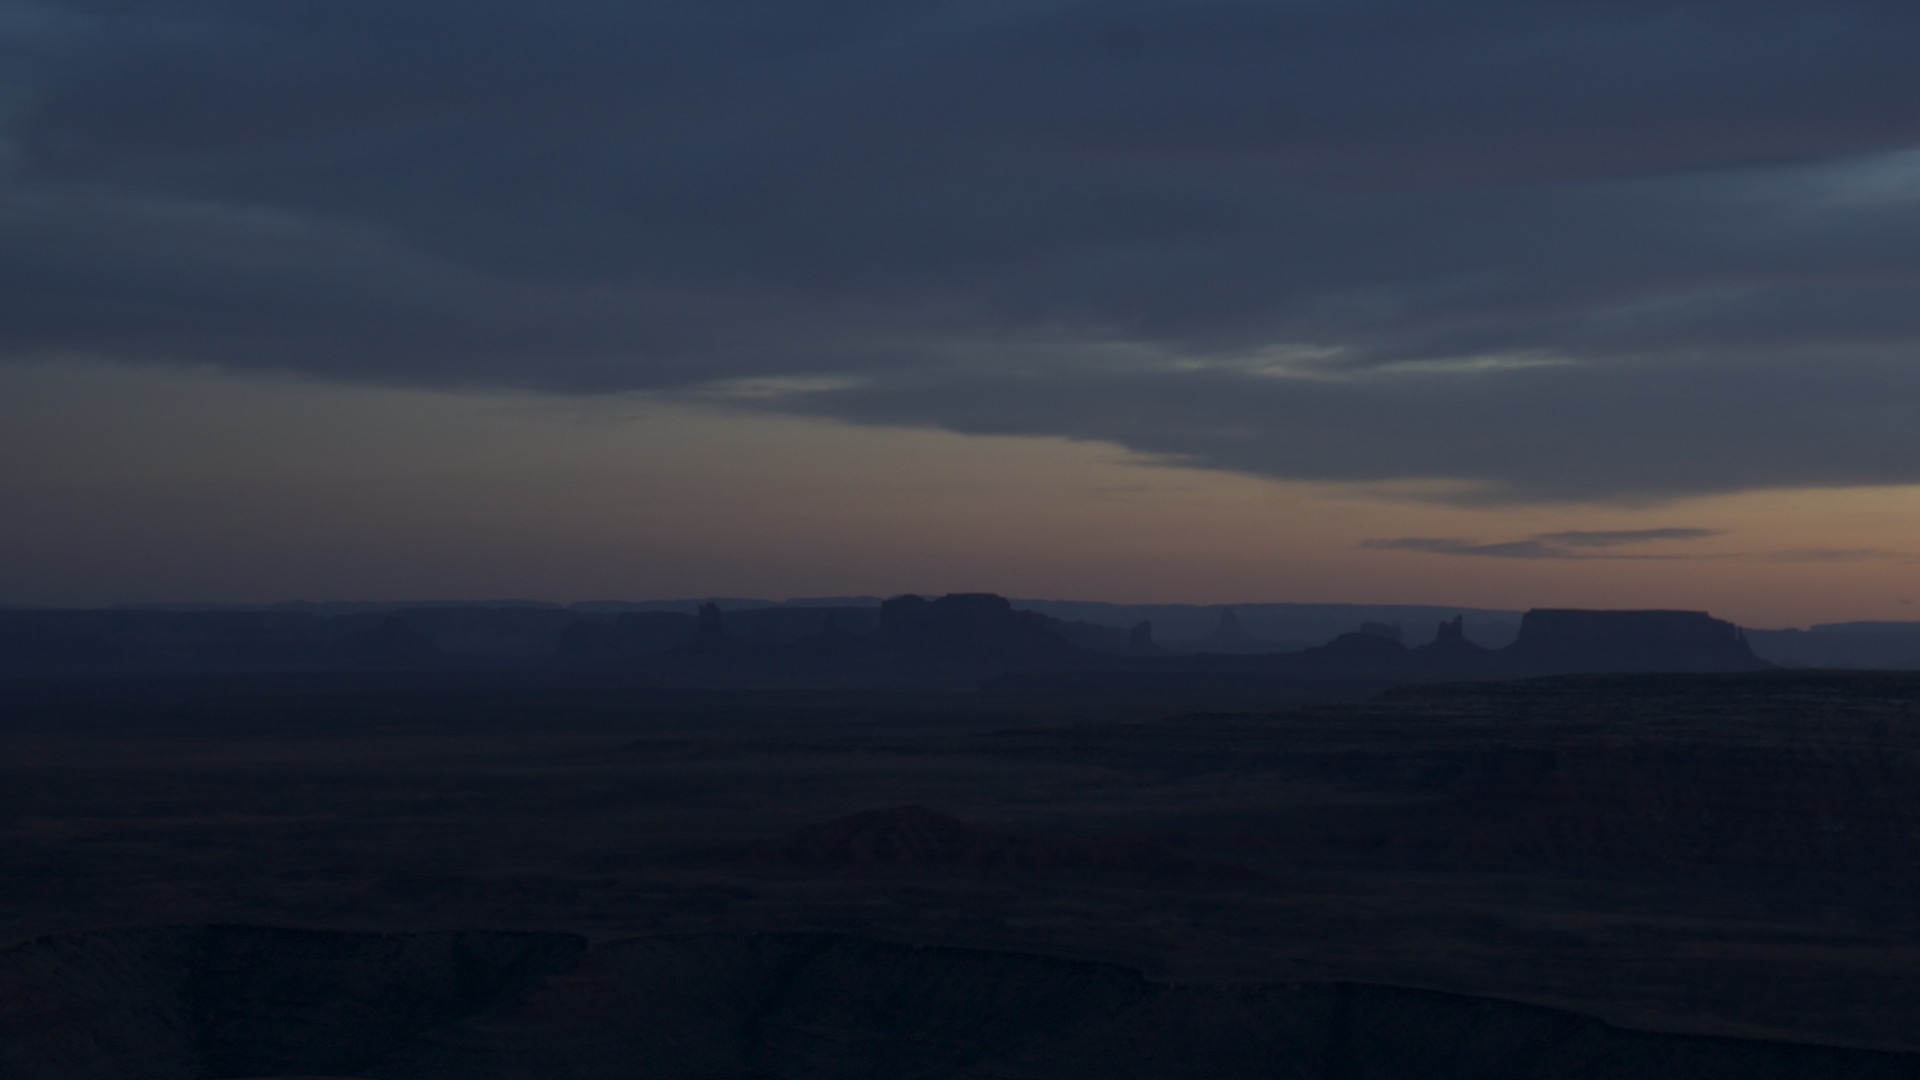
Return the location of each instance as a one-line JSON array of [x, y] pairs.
[[1506, 304]]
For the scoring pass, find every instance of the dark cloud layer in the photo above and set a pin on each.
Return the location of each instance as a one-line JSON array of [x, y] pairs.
[[1542, 250]]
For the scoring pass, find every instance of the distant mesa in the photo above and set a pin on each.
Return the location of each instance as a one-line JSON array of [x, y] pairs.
[[971, 628], [1561, 641], [953, 641], [1359, 649], [1883, 645], [1370, 660], [1551, 642]]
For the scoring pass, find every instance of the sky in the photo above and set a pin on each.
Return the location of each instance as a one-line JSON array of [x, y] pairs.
[[1553, 303]]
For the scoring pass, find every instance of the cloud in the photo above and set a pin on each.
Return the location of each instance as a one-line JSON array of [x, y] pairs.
[[1559, 545], [1610, 538], [1513, 549], [1603, 544], [1840, 555], [1544, 251]]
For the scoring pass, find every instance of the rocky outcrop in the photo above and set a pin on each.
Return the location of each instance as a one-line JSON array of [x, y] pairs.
[[966, 630], [231, 1002], [952, 642], [1230, 636], [1450, 648], [1563, 642], [955, 640], [1551, 642], [1357, 650]]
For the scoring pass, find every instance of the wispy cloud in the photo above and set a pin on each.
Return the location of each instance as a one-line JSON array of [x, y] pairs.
[[1610, 538], [1606, 544], [1450, 545], [1837, 555], [1571, 544]]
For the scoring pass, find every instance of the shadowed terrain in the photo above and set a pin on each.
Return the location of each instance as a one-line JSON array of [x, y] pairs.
[[1728, 856], [232, 1002]]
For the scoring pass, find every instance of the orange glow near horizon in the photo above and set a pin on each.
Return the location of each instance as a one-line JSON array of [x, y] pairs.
[[203, 486]]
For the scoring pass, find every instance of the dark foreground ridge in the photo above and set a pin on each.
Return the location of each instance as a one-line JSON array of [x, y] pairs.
[[226, 1002]]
